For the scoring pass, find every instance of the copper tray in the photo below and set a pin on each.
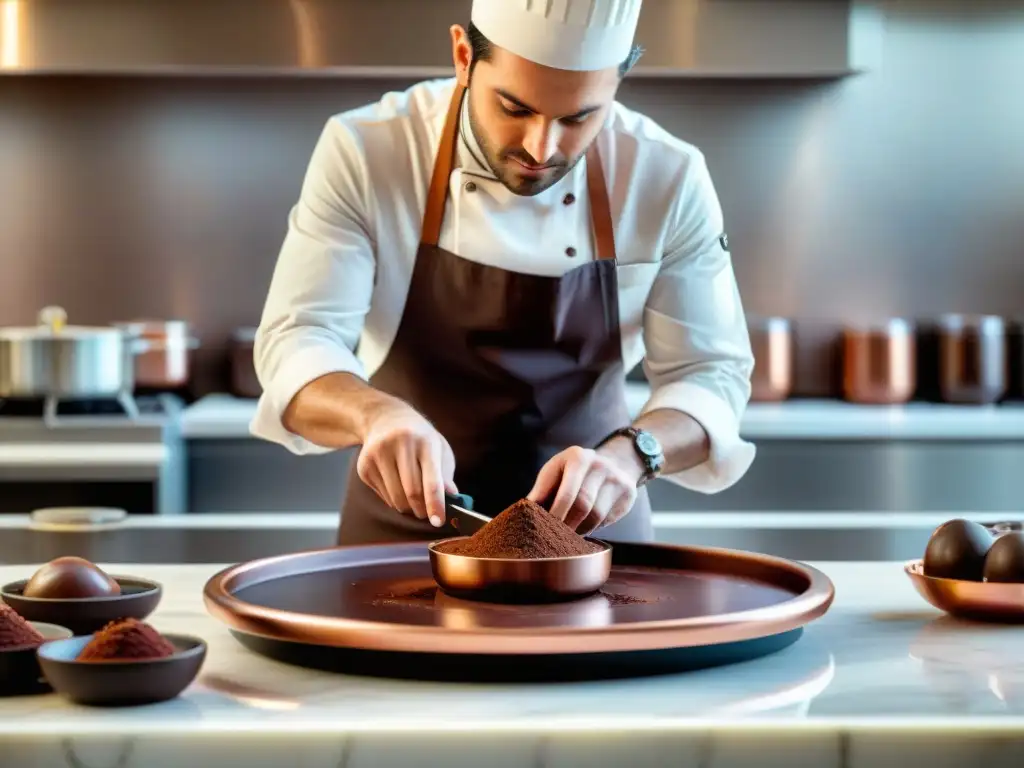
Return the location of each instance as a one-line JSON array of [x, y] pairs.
[[663, 607], [978, 600]]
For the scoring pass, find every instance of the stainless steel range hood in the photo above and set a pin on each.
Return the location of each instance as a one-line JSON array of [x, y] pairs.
[[367, 38]]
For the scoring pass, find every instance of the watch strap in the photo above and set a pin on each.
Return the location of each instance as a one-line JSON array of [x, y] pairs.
[[651, 464]]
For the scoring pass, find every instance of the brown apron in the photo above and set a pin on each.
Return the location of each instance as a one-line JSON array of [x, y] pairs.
[[511, 368]]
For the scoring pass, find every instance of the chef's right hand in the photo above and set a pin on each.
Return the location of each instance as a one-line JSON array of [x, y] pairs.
[[408, 463]]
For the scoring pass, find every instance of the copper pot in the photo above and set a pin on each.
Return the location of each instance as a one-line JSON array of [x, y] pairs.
[[972, 359], [772, 341], [166, 362], [879, 362], [244, 382]]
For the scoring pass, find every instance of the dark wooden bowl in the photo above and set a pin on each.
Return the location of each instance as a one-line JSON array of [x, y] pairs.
[[85, 615], [121, 682], [19, 668]]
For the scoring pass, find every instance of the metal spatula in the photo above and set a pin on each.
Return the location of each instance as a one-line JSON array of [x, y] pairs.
[[459, 508]]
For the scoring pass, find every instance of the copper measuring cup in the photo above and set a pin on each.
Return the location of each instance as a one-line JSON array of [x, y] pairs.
[[500, 580]]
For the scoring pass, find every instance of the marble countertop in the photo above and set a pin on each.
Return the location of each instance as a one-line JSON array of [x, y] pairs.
[[223, 416], [882, 672]]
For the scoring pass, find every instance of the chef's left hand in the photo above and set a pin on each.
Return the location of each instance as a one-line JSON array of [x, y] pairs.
[[590, 488]]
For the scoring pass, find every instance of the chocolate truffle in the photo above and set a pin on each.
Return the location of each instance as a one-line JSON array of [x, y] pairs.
[[126, 639], [68, 578], [957, 550], [1005, 559]]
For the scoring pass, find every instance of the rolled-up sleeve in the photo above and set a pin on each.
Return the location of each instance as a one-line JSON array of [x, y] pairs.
[[698, 355], [321, 287]]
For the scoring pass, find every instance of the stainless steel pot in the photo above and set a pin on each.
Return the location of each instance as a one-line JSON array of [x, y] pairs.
[[167, 361], [54, 359]]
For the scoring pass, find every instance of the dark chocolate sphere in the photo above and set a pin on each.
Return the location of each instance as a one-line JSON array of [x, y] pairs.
[[68, 578], [1005, 560], [957, 550]]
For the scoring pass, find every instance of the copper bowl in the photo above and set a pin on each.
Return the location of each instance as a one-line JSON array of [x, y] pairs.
[[879, 362], [502, 580], [978, 600], [771, 339]]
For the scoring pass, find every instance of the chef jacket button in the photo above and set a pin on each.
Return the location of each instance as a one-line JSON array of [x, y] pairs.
[[569, 199], [471, 186], [570, 252]]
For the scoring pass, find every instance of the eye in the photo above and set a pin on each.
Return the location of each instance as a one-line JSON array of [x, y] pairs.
[[576, 120], [512, 111]]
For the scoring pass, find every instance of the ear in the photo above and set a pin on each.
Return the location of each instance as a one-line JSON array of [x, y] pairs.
[[462, 54]]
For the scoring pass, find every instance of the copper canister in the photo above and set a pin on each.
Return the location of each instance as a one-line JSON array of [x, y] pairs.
[[772, 341], [167, 359], [972, 359], [879, 362], [244, 382]]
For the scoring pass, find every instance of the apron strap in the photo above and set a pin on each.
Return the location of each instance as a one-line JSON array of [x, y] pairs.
[[437, 194], [600, 206]]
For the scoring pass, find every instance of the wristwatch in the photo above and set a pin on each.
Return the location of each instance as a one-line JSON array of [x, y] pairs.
[[647, 448]]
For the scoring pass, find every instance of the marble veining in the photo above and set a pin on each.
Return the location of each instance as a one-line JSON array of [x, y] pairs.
[[882, 674]]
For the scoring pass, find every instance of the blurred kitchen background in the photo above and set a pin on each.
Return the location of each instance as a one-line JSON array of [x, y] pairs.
[[868, 155]]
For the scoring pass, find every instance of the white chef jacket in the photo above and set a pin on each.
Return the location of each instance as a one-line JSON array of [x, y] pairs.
[[340, 283]]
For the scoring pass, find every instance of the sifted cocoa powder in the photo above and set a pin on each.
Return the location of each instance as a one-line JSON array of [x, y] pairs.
[[15, 632], [524, 531], [126, 639]]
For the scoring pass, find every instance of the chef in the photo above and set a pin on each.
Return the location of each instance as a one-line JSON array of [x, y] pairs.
[[473, 266]]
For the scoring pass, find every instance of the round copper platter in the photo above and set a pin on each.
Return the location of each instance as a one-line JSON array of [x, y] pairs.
[[715, 605]]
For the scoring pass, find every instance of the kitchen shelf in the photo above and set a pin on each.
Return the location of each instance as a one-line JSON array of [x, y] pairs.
[[409, 38], [225, 417]]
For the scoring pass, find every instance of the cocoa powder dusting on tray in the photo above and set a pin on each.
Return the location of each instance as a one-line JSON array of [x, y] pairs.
[[424, 596], [16, 632], [524, 531]]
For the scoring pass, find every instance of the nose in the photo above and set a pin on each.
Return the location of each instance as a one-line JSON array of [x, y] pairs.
[[541, 140]]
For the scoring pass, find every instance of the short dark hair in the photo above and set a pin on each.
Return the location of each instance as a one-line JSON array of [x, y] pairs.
[[483, 48]]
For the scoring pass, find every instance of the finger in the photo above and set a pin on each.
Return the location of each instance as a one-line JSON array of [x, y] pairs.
[[448, 467], [622, 507], [607, 500], [411, 480], [586, 498], [367, 471], [573, 475], [547, 480], [433, 482], [391, 482]]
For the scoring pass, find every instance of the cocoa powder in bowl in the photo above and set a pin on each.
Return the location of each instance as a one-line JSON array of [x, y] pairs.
[[524, 531], [16, 632]]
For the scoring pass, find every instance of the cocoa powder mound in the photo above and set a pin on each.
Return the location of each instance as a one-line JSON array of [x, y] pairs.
[[126, 639], [524, 531], [16, 632]]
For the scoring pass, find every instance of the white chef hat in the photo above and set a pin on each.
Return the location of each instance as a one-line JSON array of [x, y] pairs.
[[564, 34]]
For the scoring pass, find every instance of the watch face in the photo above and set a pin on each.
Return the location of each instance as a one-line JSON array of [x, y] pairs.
[[648, 444]]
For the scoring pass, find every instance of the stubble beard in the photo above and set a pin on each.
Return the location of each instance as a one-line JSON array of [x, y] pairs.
[[502, 167]]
